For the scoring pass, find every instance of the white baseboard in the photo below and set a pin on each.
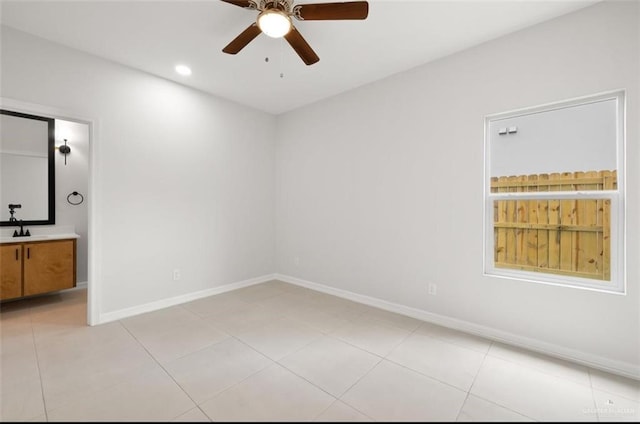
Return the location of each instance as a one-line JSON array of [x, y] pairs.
[[616, 367], [165, 303]]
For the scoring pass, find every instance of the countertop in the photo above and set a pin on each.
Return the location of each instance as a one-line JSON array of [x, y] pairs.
[[40, 237]]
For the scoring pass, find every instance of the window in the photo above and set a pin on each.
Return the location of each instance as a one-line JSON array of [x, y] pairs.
[[554, 193]]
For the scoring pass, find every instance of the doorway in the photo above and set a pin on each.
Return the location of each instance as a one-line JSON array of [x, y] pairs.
[[74, 192]]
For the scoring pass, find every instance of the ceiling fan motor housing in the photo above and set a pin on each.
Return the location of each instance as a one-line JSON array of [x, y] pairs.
[[284, 5]]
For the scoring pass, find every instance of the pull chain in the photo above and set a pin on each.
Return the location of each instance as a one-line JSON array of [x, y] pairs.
[[281, 60], [281, 56]]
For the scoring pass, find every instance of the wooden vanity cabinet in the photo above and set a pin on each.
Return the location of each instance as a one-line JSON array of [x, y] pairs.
[[44, 266], [49, 266], [10, 271]]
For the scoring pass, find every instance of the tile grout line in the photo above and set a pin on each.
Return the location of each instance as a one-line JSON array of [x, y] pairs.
[[325, 409], [382, 358], [410, 332], [232, 336], [504, 407], [488, 400], [423, 374], [35, 349], [385, 358], [593, 396], [354, 384], [480, 397], [277, 362], [273, 362], [608, 391], [456, 344], [473, 382], [544, 371], [540, 370], [487, 353], [328, 334], [336, 398], [166, 372]]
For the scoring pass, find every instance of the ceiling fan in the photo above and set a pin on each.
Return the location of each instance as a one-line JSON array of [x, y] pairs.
[[274, 20]]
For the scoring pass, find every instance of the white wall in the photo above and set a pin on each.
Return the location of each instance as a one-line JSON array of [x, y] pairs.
[[380, 190], [74, 176], [184, 180]]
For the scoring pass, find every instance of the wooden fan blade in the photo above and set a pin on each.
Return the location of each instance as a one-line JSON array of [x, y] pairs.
[[332, 11], [301, 47], [240, 3], [243, 39]]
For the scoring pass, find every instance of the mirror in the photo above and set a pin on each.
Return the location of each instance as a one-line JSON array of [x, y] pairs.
[[27, 173]]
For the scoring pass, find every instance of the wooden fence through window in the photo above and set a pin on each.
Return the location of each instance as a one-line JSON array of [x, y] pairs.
[[558, 236]]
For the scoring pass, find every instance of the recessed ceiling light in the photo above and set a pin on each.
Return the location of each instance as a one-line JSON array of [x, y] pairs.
[[183, 70]]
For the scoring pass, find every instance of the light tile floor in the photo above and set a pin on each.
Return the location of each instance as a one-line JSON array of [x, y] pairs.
[[278, 352]]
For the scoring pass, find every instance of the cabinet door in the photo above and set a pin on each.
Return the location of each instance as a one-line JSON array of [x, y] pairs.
[[10, 271], [49, 266]]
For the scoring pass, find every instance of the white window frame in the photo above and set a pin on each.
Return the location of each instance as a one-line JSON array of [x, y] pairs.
[[617, 284]]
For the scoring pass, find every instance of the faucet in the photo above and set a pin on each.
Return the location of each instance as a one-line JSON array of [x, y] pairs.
[[22, 233]]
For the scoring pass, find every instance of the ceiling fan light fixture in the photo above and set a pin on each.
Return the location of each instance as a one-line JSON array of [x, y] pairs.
[[274, 23]]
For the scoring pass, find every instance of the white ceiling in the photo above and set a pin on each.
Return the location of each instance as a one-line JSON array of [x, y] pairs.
[[154, 36]]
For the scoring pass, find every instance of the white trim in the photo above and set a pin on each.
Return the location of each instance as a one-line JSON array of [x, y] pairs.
[[625, 369], [177, 300], [93, 194], [562, 104]]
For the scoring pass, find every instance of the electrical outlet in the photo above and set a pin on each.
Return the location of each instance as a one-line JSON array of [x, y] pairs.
[[296, 260], [176, 274], [433, 289]]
